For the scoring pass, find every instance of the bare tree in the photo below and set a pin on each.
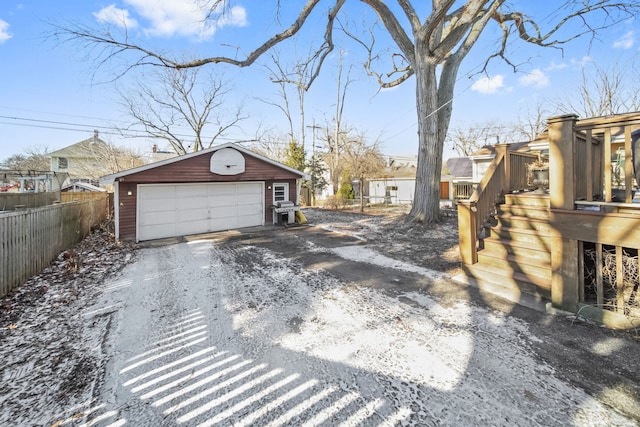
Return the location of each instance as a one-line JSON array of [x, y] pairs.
[[335, 134], [33, 159], [299, 78], [176, 99], [107, 158], [272, 146], [533, 123], [363, 161], [603, 91], [432, 41], [465, 140]]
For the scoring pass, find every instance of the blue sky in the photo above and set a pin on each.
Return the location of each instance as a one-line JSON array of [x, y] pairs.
[[52, 95]]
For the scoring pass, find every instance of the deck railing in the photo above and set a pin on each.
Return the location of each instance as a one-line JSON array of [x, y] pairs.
[[506, 173], [463, 190], [518, 170], [473, 212], [596, 171], [598, 231]]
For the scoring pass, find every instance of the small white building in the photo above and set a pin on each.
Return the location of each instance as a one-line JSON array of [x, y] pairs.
[[392, 191]]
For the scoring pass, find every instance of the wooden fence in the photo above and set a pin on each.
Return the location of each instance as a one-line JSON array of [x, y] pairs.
[[9, 201], [31, 239], [80, 196]]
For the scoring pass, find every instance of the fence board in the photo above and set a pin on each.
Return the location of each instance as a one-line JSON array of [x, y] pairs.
[[31, 239]]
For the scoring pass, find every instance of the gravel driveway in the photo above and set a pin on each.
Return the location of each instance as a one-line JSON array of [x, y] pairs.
[[306, 326]]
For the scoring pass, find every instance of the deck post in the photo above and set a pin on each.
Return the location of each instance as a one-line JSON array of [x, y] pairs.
[[503, 150], [562, 174], [565, 256], [467, 218]]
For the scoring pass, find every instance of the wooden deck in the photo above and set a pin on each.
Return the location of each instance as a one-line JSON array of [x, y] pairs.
[[573, 246]]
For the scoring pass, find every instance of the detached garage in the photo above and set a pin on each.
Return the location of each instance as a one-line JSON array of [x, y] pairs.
[[222, 188]]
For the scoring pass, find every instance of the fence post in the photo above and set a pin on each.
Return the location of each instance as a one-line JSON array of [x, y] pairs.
[[565, 256], [467, 220]]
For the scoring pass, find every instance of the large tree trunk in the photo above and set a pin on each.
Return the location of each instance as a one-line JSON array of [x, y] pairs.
[[426, 200]]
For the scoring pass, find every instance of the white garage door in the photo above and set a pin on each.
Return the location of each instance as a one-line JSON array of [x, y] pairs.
[[167, 210]]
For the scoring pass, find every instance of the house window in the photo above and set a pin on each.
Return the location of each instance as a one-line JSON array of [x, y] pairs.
[[280, 192], [63, 163]]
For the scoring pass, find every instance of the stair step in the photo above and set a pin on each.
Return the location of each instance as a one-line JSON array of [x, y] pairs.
[[506, 247], [528, 266], [537, 212], [521, 222], [514, 281], [527, 199], [532, 237]]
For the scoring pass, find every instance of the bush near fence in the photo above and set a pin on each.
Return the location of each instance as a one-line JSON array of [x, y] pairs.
[[32, 238]]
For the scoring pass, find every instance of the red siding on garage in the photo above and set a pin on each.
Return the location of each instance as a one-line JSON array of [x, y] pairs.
[[268, 196], [192, 170], [196, 169], [127, 206]]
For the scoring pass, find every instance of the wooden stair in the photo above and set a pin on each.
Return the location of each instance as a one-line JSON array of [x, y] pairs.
[[514, 251]]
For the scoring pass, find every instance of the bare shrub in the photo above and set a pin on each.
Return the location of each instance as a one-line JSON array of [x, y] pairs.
[[334, 202]]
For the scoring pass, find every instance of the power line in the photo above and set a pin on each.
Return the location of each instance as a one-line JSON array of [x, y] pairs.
[[108, 130], [58, 114]]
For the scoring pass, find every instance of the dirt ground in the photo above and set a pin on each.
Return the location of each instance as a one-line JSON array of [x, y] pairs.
[[432, 246], [352, 319]]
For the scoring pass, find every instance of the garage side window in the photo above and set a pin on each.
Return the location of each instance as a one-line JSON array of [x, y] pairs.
[[280, 192]]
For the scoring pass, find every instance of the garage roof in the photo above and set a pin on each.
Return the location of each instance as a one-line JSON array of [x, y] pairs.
[[109, 179]]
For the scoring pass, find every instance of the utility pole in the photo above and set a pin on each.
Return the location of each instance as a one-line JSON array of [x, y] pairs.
[[313, 162]]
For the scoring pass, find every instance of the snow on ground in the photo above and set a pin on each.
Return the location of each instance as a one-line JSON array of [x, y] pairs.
[[214, 333], [46, 359], [208, 334]]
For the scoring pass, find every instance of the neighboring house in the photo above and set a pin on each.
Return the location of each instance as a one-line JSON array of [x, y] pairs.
[[396, 186], [398, 183], [482, 158], [157, 155], [88, 160], [460, 168], [81, 187], [220, 188]]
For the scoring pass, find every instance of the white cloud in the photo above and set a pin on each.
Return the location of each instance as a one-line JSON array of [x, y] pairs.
[[536, 78], [183, 17], [626, 41], [488, 84], [237, 16], [582, 61], [555, 66], [4, 31], [113, 15]]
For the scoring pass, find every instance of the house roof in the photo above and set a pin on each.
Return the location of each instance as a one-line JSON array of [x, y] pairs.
[[83, 149], [109, 179], [85, 185], [460, 167], [489, 150]]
